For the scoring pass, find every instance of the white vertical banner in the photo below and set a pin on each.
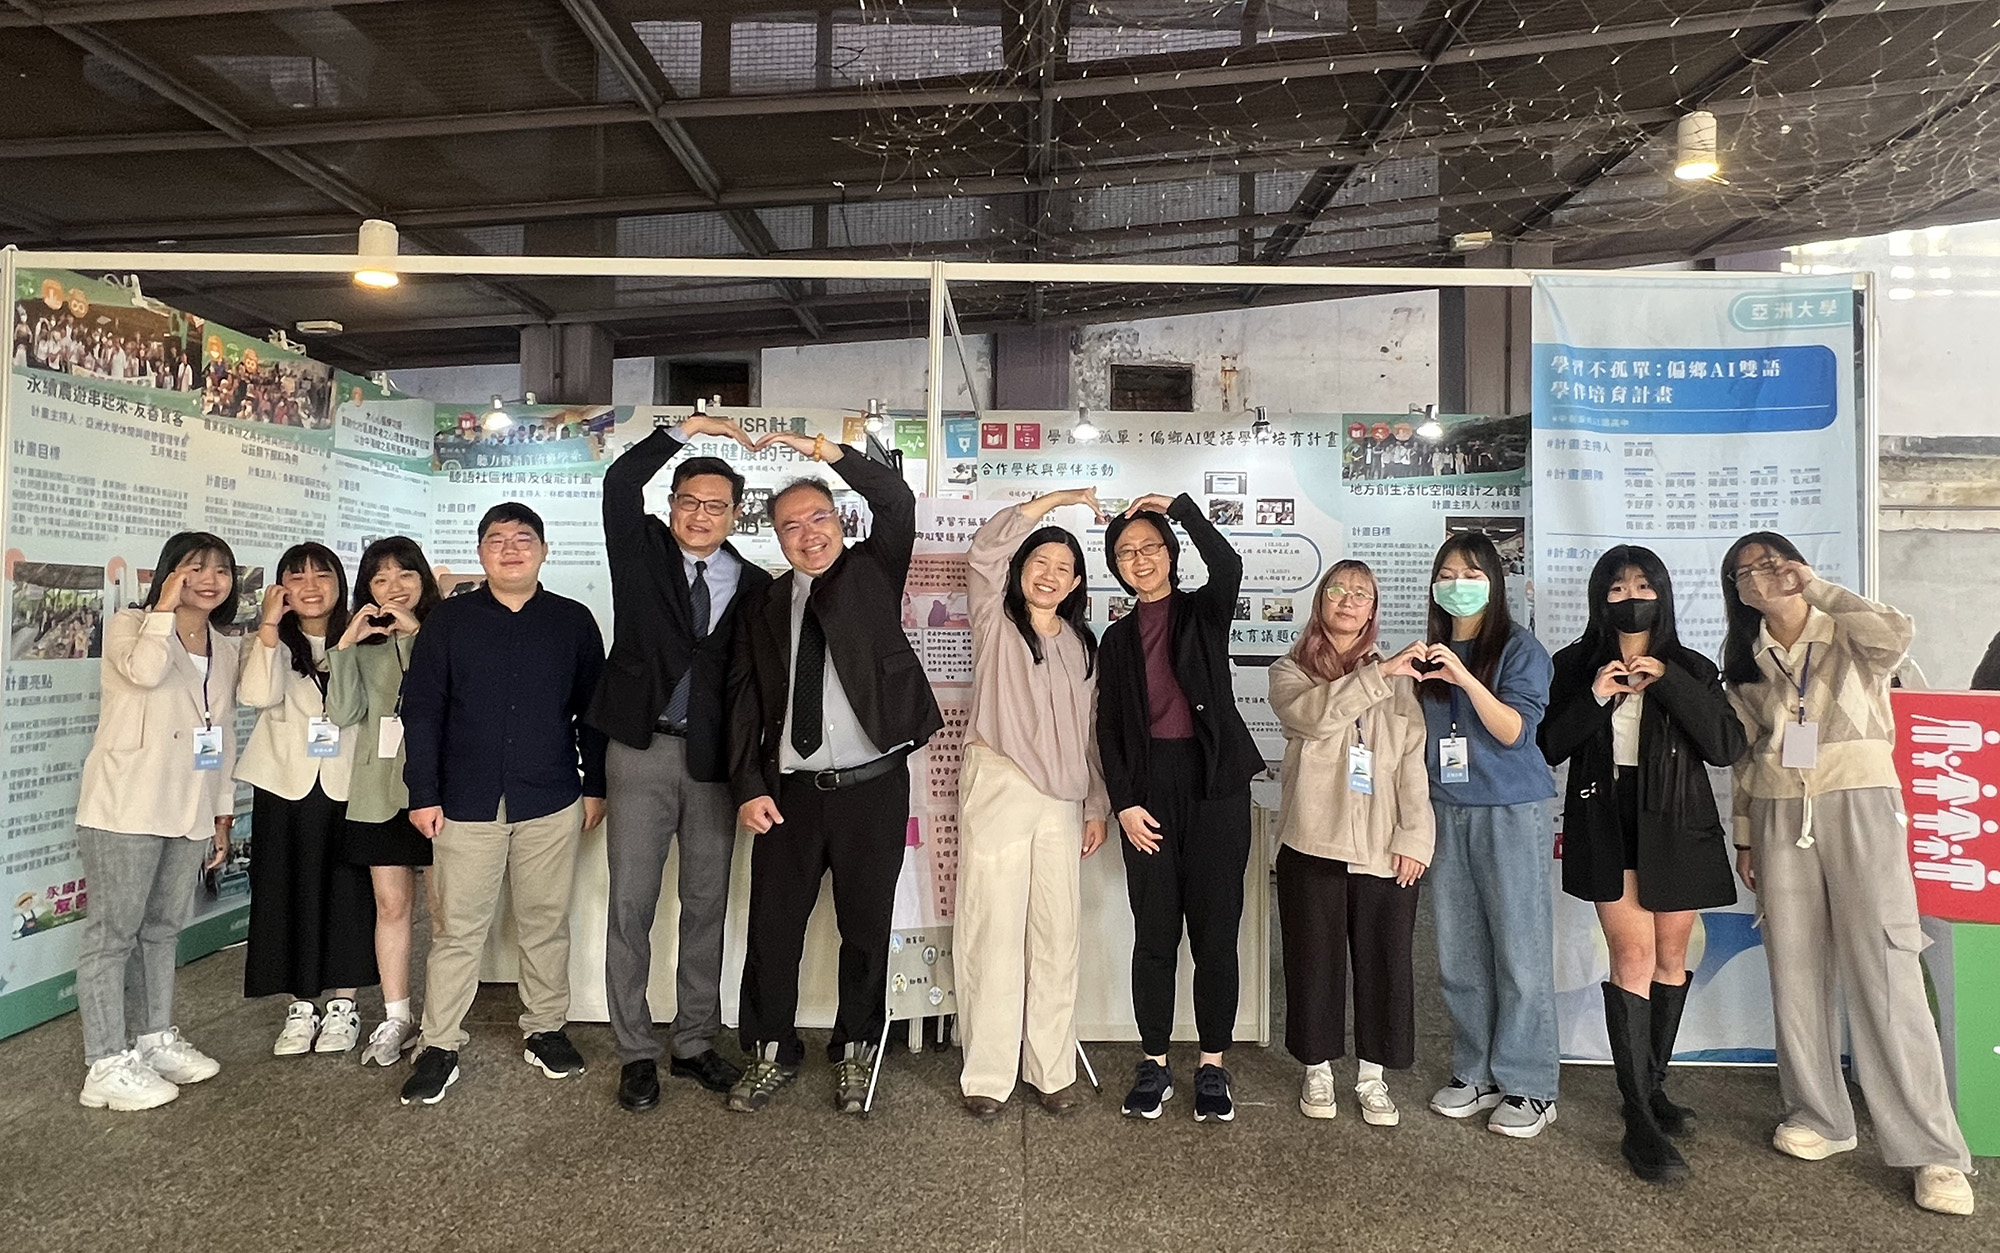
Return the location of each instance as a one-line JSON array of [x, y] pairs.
[[1679, 414]]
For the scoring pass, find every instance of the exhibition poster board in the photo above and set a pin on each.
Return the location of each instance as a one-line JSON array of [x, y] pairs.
[[1678, 414]]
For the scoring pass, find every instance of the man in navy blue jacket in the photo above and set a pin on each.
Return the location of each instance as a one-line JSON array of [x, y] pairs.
[[504, 776]]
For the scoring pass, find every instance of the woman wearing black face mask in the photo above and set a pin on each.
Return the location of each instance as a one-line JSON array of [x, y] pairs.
[[1636, 715]]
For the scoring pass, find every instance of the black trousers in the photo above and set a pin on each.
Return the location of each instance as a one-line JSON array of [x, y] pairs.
[[1196, 879], [859, 833], [1329, 917]]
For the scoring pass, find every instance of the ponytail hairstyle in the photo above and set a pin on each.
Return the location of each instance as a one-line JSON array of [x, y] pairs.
[[1496, 626], [1315, 652], [1739, 644], [1075, 607], [311, 556]]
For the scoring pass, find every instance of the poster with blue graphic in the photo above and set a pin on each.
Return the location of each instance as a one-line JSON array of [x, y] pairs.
[[1678, 414]]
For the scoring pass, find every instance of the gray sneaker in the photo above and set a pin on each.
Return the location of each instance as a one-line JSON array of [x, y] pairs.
[[761, 1081], [1521, 1117], [1459, 1099], [850, 1078]]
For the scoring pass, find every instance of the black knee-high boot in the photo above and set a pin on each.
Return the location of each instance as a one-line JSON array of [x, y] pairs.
[[1647, 1150], [1668, 1002]]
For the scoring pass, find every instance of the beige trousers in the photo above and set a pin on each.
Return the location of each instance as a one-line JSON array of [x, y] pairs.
[[1015, 938], [469, 860]]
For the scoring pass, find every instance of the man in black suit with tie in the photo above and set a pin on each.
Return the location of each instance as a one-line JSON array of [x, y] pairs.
[[827, 701], [676, 591]]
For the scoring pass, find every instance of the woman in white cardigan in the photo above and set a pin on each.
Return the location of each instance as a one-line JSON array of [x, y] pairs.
[[312, 912], [154, 809]]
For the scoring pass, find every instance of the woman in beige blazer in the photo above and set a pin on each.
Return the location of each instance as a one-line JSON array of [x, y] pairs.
[[1355, 835], [155, 808], [312, 912]]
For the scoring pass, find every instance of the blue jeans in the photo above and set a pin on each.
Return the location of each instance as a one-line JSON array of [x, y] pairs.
[[141, 889], [1490, 884]]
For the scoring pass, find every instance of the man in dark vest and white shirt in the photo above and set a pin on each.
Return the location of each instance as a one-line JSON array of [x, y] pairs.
[[827, 701], [677, 588]]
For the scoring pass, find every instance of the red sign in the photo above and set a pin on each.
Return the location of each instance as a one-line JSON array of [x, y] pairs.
[[1027, 435], [992, 434], [1948, 754]]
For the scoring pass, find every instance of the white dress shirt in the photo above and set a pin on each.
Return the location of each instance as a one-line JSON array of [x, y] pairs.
[[843, 743]]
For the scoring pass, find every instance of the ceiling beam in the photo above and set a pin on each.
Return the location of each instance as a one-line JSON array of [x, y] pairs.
[[313, 175], [651, 89], [162, 10], [347, 132], [1758, 52]]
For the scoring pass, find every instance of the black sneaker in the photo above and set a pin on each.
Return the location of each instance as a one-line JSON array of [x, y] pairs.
[[436, 1070], [1152, 1086], [1211, 1095], [552, 1051]]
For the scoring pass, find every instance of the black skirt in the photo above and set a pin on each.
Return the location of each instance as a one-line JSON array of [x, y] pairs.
[[1628, 814], [312, 912], [391, 843]]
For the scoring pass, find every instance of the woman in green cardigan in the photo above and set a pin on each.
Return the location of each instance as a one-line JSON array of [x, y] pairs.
[[393, 591]]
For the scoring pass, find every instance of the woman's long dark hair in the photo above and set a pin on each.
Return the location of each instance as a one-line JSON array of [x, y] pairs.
[[1158, 521], [1600, 638], [1739, 645], [1496, 627], [407, 555], [311, 556], [1075, 607], [179, 548]]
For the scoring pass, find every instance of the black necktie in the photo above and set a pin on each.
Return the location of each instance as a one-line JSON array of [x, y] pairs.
[[808, 682], [677, 704]]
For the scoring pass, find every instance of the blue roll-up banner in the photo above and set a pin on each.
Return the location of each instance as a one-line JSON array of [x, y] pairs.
[[1679, 414]]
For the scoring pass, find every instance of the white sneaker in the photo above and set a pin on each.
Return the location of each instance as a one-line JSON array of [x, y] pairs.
[[387, 1044], [340, 1028], [1377, 1110], [1316, 1093], [1806, 1144], [300, 1023], [124, 1083], [175, 1060], [1943, 1190]]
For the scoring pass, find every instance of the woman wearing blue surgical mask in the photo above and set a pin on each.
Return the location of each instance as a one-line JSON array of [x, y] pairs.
[[1636, 716], [1487, 685]]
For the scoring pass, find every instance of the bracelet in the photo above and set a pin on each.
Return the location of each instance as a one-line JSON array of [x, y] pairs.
[[819, 448]]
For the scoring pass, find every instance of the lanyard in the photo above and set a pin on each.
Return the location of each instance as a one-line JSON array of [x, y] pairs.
[[208, 642], [1805, 677], [1454, 712], [1359, 739], [396, 643]]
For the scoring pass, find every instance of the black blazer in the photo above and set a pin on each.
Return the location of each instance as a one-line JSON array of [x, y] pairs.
[[860, 604], [652, 642], [1683, 852], [1200, 640], [1986, 677]]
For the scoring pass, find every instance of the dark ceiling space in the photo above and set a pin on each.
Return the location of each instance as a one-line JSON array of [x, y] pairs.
[[1209, 132]]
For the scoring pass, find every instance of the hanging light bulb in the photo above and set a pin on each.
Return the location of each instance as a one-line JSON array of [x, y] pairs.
[[376, 252], [1430, 428], [874, 423], [1695, 156], [496, 417], [1085, 431]]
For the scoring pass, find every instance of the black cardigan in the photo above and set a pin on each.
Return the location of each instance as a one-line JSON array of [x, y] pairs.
[[1683, 853], [652, 638], [1200, 640]]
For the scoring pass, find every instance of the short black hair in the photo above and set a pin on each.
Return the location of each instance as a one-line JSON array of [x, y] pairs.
[[513, 511], [710, 465], [798, 485], [1158, 521]]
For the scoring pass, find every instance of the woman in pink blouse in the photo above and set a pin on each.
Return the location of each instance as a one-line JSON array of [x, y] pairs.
[[1031, 805]]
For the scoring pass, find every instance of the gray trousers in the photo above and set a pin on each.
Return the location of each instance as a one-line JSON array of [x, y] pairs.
[[651, 800], [1845, 911], [141, 888]]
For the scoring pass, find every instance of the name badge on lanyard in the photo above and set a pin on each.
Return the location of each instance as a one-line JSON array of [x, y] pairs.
[[1454, 754], [208, 748], [322, 737], [1799, 747], [1360, 764], [389, 736]]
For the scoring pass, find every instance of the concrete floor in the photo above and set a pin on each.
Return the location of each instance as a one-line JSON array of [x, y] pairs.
[[316, 1153]]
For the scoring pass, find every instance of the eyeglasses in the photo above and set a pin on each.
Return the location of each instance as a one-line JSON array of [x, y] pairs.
[[693, 504], [1768, 565], [1358, 594], [509, 543], [1153, 549], [817, 518]]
